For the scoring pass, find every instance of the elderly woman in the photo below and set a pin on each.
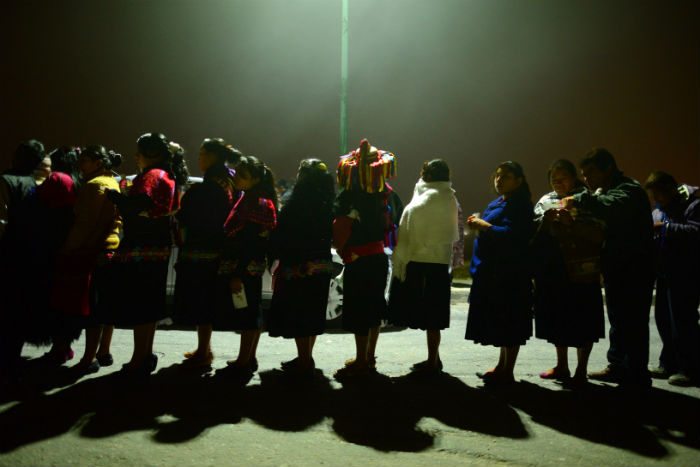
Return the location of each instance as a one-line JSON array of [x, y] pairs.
[[500, 297], [420, 292], [568, 300]]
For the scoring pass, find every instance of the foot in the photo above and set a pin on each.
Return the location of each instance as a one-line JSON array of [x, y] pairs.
[[352, 370], [560, 374], [608, 374], [427, 365], [84, 367], [198, 360], [105, 359], [251, 365], [680, 379], [579, 381], [289, 363], [57, 357], [371, 362], [659, 372]]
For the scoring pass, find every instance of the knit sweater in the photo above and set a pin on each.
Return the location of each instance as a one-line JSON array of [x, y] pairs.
[[97, 223], [428, 227]]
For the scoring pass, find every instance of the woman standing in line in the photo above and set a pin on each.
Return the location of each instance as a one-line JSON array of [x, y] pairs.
[[244, 257], [501, 295], [302, 242], [140, 265], [205, 208], [420, 292], [360, 230], [89, 246], [568, 299]]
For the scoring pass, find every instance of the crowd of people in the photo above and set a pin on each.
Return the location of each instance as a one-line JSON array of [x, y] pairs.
[[81, 250]]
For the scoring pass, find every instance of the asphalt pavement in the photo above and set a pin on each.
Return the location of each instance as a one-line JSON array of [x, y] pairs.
[[178, 417]]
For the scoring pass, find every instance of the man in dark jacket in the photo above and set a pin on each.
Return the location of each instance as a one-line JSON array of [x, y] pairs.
[[627, 264], [677, 241]]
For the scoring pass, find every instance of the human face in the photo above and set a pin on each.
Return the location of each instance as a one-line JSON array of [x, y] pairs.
[[88, 166], [562, 182], [594, 177], [141, 161], [243, 180], [205, 160], [506, 182]]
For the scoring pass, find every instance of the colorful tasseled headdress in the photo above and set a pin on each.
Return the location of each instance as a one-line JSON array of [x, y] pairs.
[[366, 169]]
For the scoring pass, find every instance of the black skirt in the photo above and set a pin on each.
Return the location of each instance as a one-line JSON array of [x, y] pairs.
[[567, 314], [422, 301], [227, 316], [138, 291], [500, 309], [196, 298], [364, 304], [298, 306]]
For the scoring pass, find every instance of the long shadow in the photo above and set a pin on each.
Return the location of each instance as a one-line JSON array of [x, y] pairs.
[[383, 412], [377, 411], [627, 419]]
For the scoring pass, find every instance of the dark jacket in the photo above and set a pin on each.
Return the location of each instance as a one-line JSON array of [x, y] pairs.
[[624, 207], [678, 243]]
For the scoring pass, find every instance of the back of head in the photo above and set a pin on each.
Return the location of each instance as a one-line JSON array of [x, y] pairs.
[[315, 186], [256, 169], [65, 160], [110, 159], [28, 156], [165, 154], [662, 181], [224, 153], [435, 170], [601, 158]]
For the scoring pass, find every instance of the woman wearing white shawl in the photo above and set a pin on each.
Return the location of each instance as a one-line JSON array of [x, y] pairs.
[[420, 291]]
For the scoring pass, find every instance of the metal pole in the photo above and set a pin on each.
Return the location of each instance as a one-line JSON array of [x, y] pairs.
[[344, 78]]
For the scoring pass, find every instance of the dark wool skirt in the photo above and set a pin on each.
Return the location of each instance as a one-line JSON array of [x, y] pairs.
[[568, 315], [500, 310], [227, 316], [101, 297], [298, 306], [196, 297], [138, 291], [364, 304], [422, 301]]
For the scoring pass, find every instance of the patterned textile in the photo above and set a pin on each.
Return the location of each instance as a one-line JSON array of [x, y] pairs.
[[310, 268], [142, 254], [198, 256], [157, 185], [251, 208], [255, 268], [103, 258], [366, 168]]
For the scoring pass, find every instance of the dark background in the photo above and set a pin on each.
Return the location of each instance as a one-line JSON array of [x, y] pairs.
[[473, 82]]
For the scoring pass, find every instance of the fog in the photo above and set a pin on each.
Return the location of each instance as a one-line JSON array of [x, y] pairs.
[[473, 82]]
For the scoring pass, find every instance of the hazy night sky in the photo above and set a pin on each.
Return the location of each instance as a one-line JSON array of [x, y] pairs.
[[473, 82]]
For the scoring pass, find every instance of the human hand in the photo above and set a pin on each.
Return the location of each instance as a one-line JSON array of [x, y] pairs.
[[476, 223], [568, 202]]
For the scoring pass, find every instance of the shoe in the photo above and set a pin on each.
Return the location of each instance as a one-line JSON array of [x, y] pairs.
[[251, 366], [559, 375], [153, 362], [53, 357], [297, 373], [421, 366], [289, 363], [195, 361], [145, 369], [371, 363], [496, 379], [90, 368], [575, 383], [680, 379], [659, 372], [609, 375], [106, 359], [353, 370]]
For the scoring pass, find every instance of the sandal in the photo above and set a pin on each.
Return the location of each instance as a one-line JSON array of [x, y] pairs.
[[352, 370], [554, 373]]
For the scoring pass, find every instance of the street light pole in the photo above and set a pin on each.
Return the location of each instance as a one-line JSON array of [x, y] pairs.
[[344, 77]]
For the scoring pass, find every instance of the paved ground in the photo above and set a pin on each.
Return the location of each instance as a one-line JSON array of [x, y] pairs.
[[182, 419]]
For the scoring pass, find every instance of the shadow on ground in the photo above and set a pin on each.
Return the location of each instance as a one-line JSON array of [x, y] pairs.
[[178, 405]]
